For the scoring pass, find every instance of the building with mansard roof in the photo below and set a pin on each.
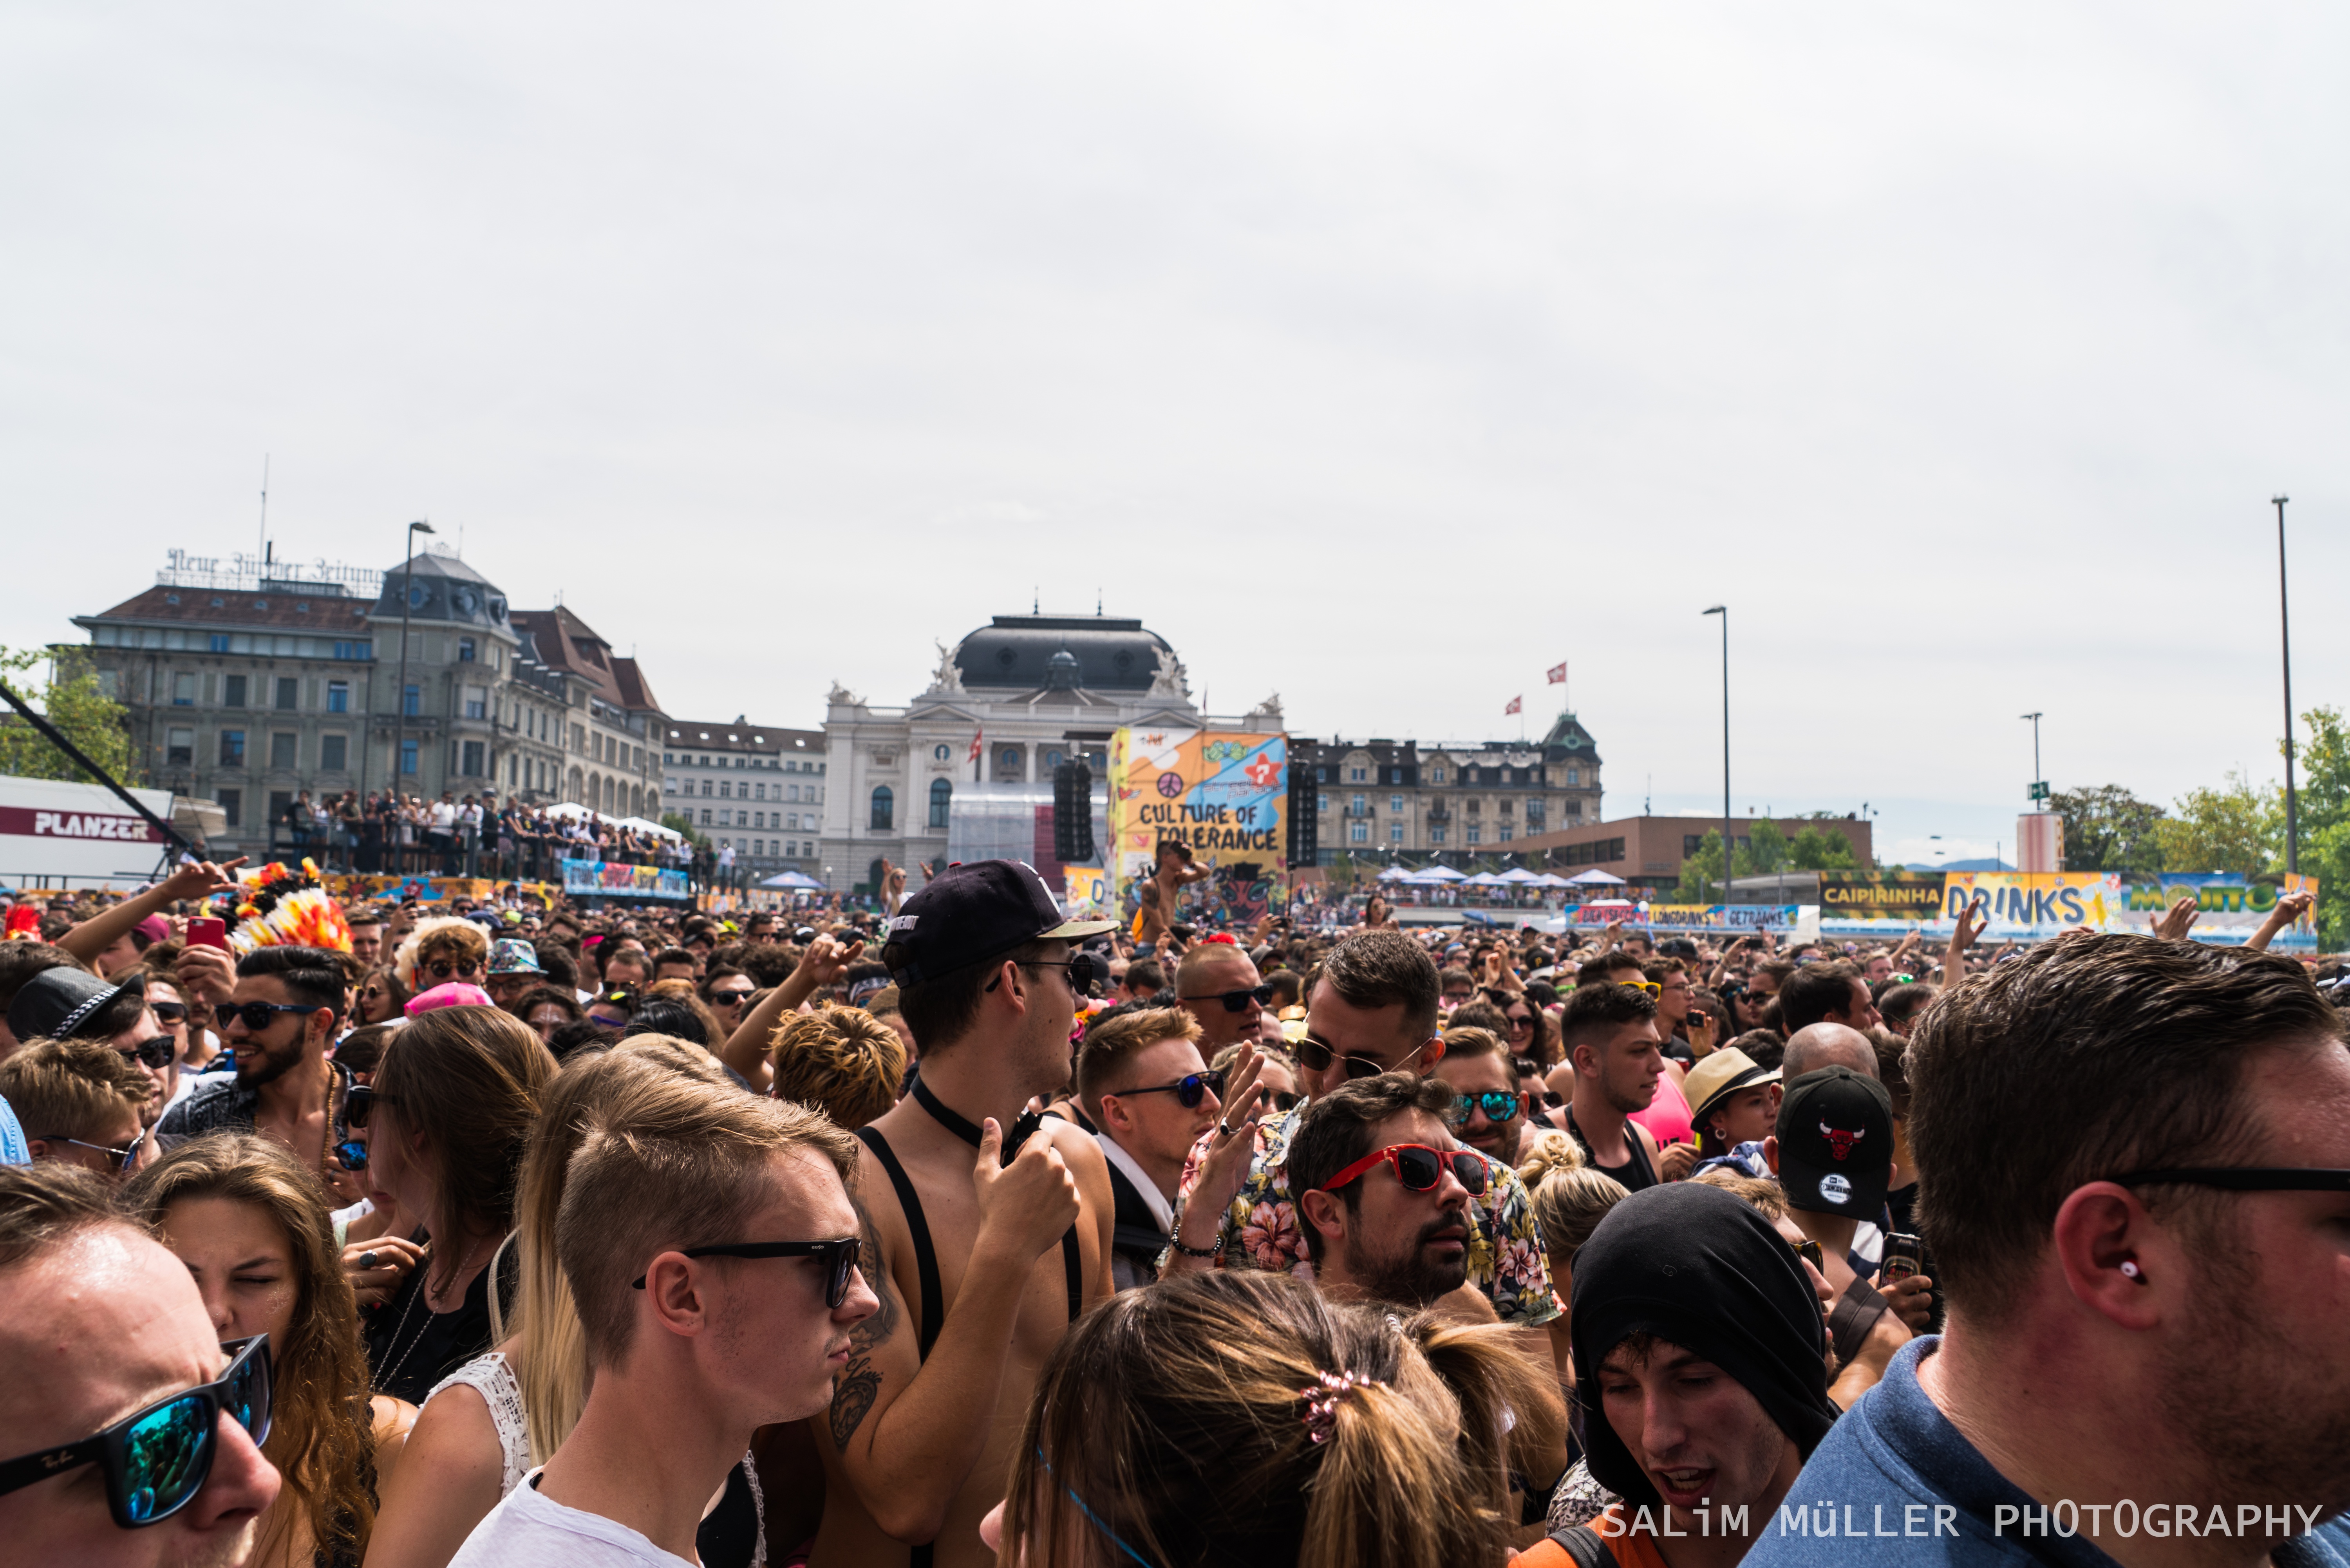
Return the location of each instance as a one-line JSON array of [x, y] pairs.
[[1414, 801]]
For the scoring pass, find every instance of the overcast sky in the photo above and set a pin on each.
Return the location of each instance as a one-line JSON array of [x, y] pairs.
[[1380, 356]]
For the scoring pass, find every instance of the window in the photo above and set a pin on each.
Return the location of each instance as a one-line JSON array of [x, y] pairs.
[[334, 754], [941, 796], [791, 766], [289, 693], [411, 700], [1053, 759], [1395, 803], [1436, 835], [1436, 775], [1395, 833], [179, 748], [1354, 775], [354, 650], [1475, 805], [408, 756], [795, 821], [231, 748], [232, 691], [282, 746], [1359, 807], [724, 787], [758, 792], [471, 762], [232, 805], [464, 651], [1476, 834], [1008, 757], [339, 696], [705, 816], [758, 819], [477, 702], [1359, 833], [1322, 803], [706, 786], [884, 809], [792, 792], [217, 642], [1506, 833], [1501, 806], [184, 690], [1575, 776]]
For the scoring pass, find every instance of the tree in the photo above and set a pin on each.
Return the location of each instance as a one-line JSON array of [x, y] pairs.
[[1766, 849], [1701, 880], [2107, 829], [2324, 808], [1817, 849], [80, 709], [678, 822], [2239, 829]]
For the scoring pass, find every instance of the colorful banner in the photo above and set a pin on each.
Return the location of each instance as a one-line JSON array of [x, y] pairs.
[[1223, 793], [1086, 890], [429, 889], [1905, 896], [2228, 909], [2034, 903], [614, 879]]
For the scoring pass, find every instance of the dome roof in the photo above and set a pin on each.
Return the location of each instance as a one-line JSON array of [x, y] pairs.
[[1017, 651], [442, 587]]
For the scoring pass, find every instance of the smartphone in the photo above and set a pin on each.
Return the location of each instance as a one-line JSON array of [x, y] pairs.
[[1697, 1020], [203, 932], [1017, 1138], [1904, 1255]]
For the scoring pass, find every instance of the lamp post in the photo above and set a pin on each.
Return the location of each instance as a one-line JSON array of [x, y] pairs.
[[399, 697], [2285, 628], [1724, 611], [2037, 781]]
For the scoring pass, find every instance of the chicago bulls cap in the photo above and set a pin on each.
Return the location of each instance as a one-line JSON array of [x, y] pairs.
[[1835, 1143]]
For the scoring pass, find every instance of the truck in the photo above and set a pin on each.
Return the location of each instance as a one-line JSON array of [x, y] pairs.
[[55, 834]]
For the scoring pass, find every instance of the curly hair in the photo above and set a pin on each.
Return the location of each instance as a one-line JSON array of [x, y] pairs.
[[841, 1060]]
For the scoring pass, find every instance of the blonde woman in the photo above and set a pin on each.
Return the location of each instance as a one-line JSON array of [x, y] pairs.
[[254, 1230], [489, 1423]]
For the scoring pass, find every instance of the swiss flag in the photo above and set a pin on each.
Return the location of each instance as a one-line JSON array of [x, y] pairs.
[[1517, 705], [977, 736], [1558, 675]]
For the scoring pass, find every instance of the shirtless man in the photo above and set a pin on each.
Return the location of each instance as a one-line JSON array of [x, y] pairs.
[[1163, 896], [926, 1415]]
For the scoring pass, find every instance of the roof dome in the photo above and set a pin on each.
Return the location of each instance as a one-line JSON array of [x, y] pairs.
[[442, 587], [1028, 652]]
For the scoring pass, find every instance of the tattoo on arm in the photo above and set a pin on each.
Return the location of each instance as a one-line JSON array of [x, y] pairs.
[[859, 1384]]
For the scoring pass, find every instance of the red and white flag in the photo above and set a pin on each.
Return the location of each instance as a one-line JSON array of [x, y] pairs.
[[1558, 675], [1517, 704], [977, 738]]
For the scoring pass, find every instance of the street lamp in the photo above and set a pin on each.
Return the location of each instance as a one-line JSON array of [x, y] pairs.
[[399, 697], [2284, 627], [2039, 785], [1724, 611]]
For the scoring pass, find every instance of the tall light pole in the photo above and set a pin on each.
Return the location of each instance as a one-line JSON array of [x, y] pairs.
[[2285, 627], [399, 697], [2036, 780], [1724, 611]]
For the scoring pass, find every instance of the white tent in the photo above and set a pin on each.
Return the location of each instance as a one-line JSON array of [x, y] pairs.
[[1521, 876], [792, 881], [1594, 877], [642, 825], [1393, 873], [1486, 880], [1550, 879], [1439, 873]]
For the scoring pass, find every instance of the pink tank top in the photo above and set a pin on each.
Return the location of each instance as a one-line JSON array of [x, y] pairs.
[[1668, 1116]]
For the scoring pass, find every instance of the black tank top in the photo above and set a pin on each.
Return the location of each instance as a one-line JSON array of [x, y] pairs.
[[1635, 1173]]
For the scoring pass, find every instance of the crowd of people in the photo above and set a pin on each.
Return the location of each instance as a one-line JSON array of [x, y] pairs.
[[394, 834], [971, 1232]]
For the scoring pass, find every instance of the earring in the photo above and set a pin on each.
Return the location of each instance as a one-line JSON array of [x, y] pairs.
[[2130, 1269]]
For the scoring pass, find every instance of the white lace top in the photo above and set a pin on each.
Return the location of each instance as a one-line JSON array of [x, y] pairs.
[[490, 1376]]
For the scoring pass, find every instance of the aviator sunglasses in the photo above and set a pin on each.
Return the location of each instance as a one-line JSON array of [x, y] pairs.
[[156, 1460], [1498, 1107], [1317, 1057]]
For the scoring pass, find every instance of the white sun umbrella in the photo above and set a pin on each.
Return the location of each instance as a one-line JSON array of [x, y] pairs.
[[1486, 880], [1520, 874], [1550, 879], [1435, 874], [1394, 874], [1594, 877]]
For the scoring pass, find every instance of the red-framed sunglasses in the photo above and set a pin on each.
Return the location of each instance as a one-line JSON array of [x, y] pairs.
[[1419, 1167]]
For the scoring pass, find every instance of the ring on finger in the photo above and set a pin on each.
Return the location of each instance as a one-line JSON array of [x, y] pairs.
[[367, 1259]]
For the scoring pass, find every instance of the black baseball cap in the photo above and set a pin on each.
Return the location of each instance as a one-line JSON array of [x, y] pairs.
[[968, 914], [1835, 1143]]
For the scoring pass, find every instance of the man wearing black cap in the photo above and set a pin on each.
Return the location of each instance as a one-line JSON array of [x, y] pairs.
[[1832, 1153], [980, 1265], [1701, 1365]]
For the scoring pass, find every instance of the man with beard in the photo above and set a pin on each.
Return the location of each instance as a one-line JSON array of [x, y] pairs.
[[1383, 1191], [278, 1014], [2132, 1154]]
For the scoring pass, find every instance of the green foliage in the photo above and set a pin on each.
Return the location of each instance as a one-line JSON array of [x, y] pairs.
[[2323, 798], [1766, 850], [1701, 880], [2238, 829], [678, 822], [1817, 849], [78, 707], [2107, 829]]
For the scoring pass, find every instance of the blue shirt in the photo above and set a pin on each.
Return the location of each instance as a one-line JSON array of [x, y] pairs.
[[1893, 1482]]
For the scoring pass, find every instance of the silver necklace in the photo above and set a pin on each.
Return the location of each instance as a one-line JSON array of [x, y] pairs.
[[401, 1326]]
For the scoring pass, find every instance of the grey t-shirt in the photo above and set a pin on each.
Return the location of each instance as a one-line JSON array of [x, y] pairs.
[[530, 1530]]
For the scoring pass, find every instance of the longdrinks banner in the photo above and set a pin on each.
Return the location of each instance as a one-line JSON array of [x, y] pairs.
[[1223, 793]]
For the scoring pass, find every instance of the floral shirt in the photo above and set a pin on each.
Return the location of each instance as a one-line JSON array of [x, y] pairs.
[[1260, 1231]]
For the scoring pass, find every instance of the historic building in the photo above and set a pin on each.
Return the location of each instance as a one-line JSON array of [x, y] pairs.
[[965, 771], [727, 778], [1411, 801]]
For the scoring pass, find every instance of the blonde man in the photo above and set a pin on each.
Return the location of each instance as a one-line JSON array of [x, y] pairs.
[[715, 1268], [841, 1060], [80, 1103], [1141, 1078]]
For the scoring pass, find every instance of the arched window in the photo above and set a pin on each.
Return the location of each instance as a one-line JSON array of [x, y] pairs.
[[941, 793], [884, 803], [942, 752]]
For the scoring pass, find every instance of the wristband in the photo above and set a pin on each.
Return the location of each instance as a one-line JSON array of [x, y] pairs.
[[1176, 1240]]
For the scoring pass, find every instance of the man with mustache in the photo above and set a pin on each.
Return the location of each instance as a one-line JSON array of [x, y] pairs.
[[1398, 1227]]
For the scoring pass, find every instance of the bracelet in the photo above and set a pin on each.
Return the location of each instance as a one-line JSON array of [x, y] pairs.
[[1176, 1240]]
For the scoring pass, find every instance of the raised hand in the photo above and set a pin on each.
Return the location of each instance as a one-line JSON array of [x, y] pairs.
[[2173, 924]]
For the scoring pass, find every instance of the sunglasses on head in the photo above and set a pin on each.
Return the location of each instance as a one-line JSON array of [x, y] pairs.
[[1498, 1107], [156, 1460], [119, 1155], [259, 1015], [155, 1052], [840, 1258], [170, 1012], [1188, 1090], [1419, 1167], [1236, 1000], [1317, 1057]]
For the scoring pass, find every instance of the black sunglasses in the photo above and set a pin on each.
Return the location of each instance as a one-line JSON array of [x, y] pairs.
[[1236, 1000], [360, 1103], [840, 1258], [1084, 970], [157, 1459], [1286, 1099], [170, 1012], [259, 1015], [1189, 1092], [446, 969], [1314, 1056], [155, 1052], [2244, 1177], [1497, 1107]]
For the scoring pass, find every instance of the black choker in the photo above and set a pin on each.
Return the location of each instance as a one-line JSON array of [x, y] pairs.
[[945, 1116]]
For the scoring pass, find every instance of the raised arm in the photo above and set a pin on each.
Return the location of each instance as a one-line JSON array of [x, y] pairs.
[[910, 1431], [1966, 929], [745, 1050], [199, 879], [2289, 908]]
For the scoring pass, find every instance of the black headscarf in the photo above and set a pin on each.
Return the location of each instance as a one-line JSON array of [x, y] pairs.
[[1700, 1269]]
